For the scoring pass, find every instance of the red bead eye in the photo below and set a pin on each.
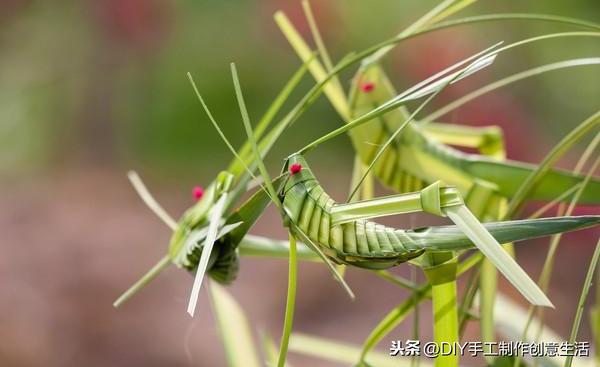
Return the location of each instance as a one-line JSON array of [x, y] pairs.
[[367, 87], [295, 168], [197, 193]]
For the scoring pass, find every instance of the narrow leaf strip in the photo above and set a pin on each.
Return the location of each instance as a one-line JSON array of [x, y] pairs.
[[149, 200], [211, 236], [538, 213], [327, 262], [270, 350], [147, 278], [312, 23], [509, 80], [290, 303], [257, 246], [162, 264], [417, 91], [343, 353], [392, 319], [234, 329], [484, 241], [332, 90], [561, 148], [426, 19], [268, 117], [510, 318], [251, 138]]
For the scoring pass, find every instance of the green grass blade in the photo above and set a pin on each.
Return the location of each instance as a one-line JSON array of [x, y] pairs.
[[162, 264], [400, 312], [147, 278], [428, 86], [218, 128], [587, 153], [251, 137], [312, 95], [386, 46], [270, 350], [249, 212], [234, 329], [211, 236], [333, 91], [290, 303], [547, 268], [484, 241], [342, 353], [257, 246], [562, 197], [445, 320], [451, 10], [535, 177], [520, 16], [392, 320], [509, 80], [449, 238], [235, 167], [149, 200], [510, 318], [314, 29], [397, 280], [443, 10], [337, 276], [509, 176]]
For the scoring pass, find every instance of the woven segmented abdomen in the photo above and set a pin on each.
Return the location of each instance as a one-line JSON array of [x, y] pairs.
[[391, 173], [361, 243]]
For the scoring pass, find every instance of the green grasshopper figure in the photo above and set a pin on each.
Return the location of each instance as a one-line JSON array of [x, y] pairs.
[[418, 157]]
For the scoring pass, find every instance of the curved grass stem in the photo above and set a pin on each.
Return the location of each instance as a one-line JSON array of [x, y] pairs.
[[584, 293], [290, 303]]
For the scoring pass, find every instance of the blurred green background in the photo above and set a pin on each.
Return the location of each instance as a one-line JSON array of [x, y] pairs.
[[90, 89]]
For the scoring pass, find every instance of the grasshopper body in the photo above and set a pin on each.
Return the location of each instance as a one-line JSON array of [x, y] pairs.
[[417, 158], [314, 217]]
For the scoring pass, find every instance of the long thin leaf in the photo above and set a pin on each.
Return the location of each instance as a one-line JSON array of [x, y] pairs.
[[439, 12], [211, 236], [484, 241], [336, 351], [334, 92], [149, 200], [251, 137], [337, 276], [510, 318], [428, 86], [162, 264], [235, 331], [584, 293], [269, 115], [535, 177], [143, 281], [507, 81], [290, 302]]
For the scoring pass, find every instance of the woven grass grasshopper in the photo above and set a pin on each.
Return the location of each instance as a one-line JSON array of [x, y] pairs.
[[418, 156]]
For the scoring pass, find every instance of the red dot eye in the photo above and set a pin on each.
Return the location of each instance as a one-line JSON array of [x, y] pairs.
[[295, 168], [367, 87], [197, 193]]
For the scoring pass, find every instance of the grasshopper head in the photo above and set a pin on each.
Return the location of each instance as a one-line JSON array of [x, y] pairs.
[[297, 171], [196, 216]]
